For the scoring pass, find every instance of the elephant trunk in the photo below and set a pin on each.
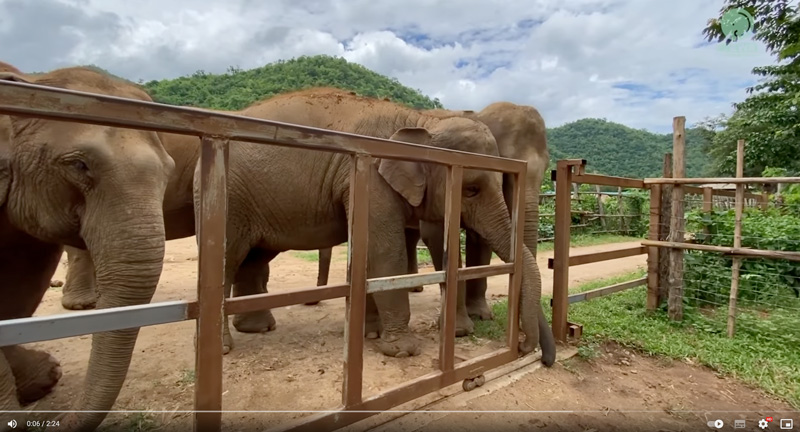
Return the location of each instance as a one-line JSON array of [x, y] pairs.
[[493, 223], [128, 253]]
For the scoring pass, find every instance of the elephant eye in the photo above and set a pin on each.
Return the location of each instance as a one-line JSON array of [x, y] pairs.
[[80, 165], [471, 190]]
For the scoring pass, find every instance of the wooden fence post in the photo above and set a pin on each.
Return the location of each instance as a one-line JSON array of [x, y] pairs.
[[663, 230], [737, 239], [622, 227], [677, 222], [563, 220], [708, 203], [653, 252], [600, 210]]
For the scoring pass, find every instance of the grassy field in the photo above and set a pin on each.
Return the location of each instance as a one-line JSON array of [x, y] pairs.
[[765, 351]]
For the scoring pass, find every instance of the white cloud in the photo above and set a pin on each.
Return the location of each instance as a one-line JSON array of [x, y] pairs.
[[637, 62]]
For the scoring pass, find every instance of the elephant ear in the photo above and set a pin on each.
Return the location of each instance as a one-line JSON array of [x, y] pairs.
[[406, 178]]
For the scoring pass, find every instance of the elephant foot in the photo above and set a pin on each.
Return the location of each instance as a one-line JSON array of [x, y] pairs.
[[35, 372], [227, 343], [254, 322], [372, 328], [416, 289], [464, 325], [479, 309], [398, 344], [78, 299]]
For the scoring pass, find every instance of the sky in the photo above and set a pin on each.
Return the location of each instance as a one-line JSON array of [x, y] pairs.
[[635, 62]]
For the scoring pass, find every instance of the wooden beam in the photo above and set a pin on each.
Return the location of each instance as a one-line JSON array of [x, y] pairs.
[[593, 257], [743, 252], [737, 240], [677, 222]]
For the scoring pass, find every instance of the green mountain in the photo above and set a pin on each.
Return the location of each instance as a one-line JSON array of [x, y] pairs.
[[609, 148], [614, 149], [238, 88]]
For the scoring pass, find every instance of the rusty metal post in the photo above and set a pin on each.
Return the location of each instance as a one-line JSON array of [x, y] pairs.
[[452, 257], [211, 232], [517, 245], [357, 246], [563, 220]]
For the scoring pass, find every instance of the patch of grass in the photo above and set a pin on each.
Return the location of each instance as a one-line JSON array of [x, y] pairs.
[[588, 350], [140, 422], [765, 351], [312, 256], [590, 240], [187, 377]]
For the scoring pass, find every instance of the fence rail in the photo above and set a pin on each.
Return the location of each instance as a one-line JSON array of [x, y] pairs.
[[215, 131]]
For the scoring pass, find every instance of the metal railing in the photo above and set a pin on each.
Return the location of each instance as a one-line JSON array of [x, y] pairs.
[[215, 131]]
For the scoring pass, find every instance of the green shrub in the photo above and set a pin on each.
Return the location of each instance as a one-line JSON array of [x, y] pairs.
[[762, 281]]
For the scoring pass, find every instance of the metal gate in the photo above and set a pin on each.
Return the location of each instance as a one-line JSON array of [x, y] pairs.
[[215, 130]]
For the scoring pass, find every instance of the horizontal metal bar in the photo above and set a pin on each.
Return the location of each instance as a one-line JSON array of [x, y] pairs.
[[32, 100], [477, 272], [594, 257], [742, 252], [600, 292], [256, 302], [36, 329], [602, 180], [722, 180], [404, 281], [604, 291]]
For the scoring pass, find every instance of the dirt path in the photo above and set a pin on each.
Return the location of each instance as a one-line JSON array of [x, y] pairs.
[[296, 367]]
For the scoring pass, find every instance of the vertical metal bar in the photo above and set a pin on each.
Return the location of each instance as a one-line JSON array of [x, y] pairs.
[[517, 243], [561, 250], [653, 252], [211, 232], [452, 256], [357, 246]]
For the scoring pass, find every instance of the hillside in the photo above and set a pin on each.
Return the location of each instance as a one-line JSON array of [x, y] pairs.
[[614, 149], [238, 88], [610, 148]]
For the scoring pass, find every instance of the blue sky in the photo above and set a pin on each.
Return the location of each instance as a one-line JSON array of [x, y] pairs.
[[636, 62]]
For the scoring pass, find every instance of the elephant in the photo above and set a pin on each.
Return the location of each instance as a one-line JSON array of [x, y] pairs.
[[80, 269], [297, 199], [90, 187], [520, 134]]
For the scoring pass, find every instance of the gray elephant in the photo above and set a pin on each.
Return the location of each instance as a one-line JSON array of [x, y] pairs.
[[520, 134], [90, 187], [297, 199], [254, 270]]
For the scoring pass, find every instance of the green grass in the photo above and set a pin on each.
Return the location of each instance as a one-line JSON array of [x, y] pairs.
[[765, 351], [312, 255]]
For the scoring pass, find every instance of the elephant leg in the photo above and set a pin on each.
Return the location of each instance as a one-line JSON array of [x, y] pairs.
[[78, 292], [325, 256], [8, 394], [35, 372], [234, 257], [433, 236], [412, 239], [252, 278], [372, 320], [478, 253]]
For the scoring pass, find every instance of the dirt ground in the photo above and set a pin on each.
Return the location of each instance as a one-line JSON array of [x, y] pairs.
[[618, 390], [298, 366]]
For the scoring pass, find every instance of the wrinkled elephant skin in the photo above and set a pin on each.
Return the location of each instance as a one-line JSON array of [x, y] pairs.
[[88, 187]]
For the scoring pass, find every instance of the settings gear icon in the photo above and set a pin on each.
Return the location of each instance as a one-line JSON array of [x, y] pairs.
[[762, 424]]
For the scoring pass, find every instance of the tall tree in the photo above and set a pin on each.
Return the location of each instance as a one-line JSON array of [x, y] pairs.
[[769, 118]]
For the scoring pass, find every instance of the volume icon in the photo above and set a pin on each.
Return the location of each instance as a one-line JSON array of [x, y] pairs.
[[13, 424]]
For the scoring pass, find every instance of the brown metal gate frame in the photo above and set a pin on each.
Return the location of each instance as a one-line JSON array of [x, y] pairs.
[[216, 130]]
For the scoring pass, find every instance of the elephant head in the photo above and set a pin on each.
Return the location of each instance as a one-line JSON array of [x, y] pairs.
[[97, 188], [483, 208]]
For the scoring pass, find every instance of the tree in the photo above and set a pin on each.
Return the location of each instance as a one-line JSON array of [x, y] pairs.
[[769, 119]]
